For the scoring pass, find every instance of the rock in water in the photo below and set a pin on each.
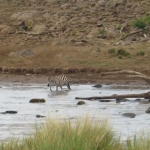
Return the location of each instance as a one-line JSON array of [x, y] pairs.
[[118, 100], [9, 112], [40, 116], [97, 86], [80, 103], [130, 115], [148, 110], [37, 100]]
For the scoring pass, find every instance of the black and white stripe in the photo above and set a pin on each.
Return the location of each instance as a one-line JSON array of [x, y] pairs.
[[58, 81]]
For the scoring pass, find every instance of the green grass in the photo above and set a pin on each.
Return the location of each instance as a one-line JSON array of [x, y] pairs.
[[82, 134], [141, 53], [111, 51], [142, 22]]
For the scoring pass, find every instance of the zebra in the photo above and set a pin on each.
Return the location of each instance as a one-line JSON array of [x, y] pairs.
[[58, 81]]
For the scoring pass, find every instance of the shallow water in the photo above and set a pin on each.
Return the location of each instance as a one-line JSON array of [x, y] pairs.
[[62, 105]]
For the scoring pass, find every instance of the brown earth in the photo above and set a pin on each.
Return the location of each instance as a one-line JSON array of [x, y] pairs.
[[72, 37]]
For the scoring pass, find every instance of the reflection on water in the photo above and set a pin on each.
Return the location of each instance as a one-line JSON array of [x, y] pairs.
[[62, 105]]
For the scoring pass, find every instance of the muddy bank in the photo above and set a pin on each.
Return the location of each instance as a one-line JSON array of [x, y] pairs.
[[75, 75], [54, 71]]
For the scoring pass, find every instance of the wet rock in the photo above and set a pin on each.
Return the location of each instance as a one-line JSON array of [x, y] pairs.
[[81, 103], [130, 115], [97, 86], [9, 112], [137, 100], [40, 116], [148, 110], [105, 100], [118, 100], [37, 100]]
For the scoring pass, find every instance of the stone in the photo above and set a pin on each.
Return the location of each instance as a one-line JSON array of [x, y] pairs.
[[40, 116], [25, 15], [130, 115], [97, 86], [137, 100], [103, 2], [105, 100], [118, 100], [79, 44], [9, 112], [81, 103], [39, 29], [37, 100], [148, 110], [22, 53], [93, 34], [4, 29]]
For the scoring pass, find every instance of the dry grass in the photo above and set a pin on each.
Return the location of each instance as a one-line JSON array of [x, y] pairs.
[[76, 57]]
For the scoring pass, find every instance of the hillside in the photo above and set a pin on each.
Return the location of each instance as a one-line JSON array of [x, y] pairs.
[[75, 34]]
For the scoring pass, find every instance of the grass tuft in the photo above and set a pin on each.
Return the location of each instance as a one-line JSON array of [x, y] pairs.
[[83, 134], [142, 22]]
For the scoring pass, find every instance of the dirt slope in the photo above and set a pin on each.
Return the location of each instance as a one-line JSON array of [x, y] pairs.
[[73, 34]]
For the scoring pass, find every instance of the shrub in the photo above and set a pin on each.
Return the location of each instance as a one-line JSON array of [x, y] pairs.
[[111, 51], [101, 32], [141, 23], [141, 53], [120, 57], [122, 52], [98, 49]]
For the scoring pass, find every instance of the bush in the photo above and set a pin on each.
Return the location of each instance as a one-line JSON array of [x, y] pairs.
[[141, 53], [141, 23], [120, 57], [122, 52], [111, 51], [101, 32], [98, 49]]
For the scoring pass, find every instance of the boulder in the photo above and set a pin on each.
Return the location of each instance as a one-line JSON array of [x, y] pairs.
[[148, 110], [97, 86], [4, 29], [37, 100], [39, 29], [81, 103], [130, 115], [40, 116], [118, 100], [22, 53], [9, 112], [105, 100], [25, 15]]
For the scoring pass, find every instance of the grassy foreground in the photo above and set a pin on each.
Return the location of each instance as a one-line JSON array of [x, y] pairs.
[[84, 134]]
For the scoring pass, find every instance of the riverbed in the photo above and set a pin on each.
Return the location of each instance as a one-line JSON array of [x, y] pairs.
[[63, 105]]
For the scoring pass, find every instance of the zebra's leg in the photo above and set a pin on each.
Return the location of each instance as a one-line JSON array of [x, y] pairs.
[[61, 87], [50, 88], [68, 85], [56, 87]]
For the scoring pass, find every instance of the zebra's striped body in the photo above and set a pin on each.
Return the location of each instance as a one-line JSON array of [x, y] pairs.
[[58, 81]]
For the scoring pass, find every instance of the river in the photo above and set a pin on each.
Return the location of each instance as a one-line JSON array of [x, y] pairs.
[[62, 105]]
